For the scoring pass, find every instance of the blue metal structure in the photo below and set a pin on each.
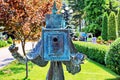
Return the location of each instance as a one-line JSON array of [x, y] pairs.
[[55, 38], [56, 47]]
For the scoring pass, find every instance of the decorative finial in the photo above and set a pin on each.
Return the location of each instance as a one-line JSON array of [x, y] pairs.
[[54, 9]]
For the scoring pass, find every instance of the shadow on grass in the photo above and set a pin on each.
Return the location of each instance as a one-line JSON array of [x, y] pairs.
[[118, 78], [1, 73], [16, 70], [104, 68], [13, 70], [8, 59]]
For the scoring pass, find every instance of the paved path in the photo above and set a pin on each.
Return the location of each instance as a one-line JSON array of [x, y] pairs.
[[6, 57]]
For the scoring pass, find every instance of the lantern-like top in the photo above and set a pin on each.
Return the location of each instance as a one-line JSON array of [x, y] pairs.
[[54, 20]]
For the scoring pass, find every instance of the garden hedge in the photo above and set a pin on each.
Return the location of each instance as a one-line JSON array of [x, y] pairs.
[[93, 51], [112, 57]]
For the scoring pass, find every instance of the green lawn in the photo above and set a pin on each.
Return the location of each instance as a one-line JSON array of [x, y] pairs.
[[90, 71]]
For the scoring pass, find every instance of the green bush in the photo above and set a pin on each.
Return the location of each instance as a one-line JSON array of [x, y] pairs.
[[112, 27], [93, 51], [9, 41], [105, 27], [99, 38], [112, 57], [3, 43]]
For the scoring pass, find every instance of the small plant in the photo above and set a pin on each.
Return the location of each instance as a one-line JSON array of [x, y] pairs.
[[99, 38]]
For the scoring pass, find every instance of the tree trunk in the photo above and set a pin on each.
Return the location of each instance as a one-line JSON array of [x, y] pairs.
[[80, 25], [26, 61], [55, 71]]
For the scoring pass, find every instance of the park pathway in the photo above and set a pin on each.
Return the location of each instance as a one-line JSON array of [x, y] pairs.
[[6, 57]]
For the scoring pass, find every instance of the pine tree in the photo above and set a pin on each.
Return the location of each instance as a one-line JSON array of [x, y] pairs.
[[105, 27], [112, 27]]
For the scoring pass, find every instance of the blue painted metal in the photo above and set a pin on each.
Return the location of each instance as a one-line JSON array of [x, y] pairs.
[[55, 20], [55, 38], [56, 44]]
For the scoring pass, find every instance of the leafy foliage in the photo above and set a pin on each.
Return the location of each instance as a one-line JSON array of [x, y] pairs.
[[24, 16], [112, 27], [105, 27], [99, 38], [3, 43], [112, 5], [93, 51], [112, 58], [118, 22], [93, 15]]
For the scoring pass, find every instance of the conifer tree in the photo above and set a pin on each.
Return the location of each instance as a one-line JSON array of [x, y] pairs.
[[112, 27], [104, 33]]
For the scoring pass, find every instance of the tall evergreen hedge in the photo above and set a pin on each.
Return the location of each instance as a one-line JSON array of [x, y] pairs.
[[118, 22], [105, 27], [112, 27]]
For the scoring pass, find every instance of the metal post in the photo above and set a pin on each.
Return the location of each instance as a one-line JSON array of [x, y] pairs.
[[55, 71]]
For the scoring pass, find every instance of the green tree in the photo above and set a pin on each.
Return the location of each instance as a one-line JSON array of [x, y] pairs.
[[112, 5], [118, 22], [104, 33], [112, 27], [94, 10]]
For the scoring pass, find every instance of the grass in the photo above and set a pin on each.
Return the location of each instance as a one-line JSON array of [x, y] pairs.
[[90, 71]]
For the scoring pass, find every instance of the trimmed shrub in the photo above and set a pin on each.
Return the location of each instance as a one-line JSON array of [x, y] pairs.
[[95, 52], [105, 27], [9, 41], [99, 38], [112, 27], [118, 22], [112, 57], [3, 43]]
